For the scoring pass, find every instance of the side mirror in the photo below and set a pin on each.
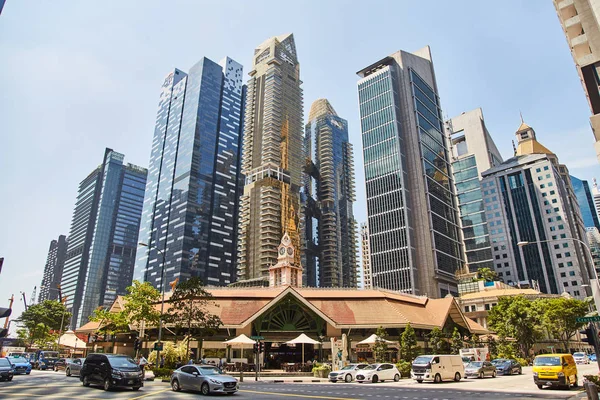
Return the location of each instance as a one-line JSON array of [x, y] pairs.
[[565, 364], [196, 373]]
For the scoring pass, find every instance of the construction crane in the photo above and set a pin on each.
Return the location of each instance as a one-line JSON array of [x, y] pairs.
[[32, 298], [24, 300]]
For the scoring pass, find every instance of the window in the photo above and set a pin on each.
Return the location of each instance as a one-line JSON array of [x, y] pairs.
[[569, 264], [550, 219], [556, 209], [554, 201], [568, 254], [559, 255], [552, 228], [548, 176], [498, 265], [563, 235], [538, 170], [559, 218], [573, 283], [496, 248], [561, 227], [556, 246], [546, 168], [548, 211], [552, 192], [566, 284], [542, 186], [466, 308], [550, 184], [563, 274], [540, 178], [487, 307], [561, 265], [507, 273], [504, 255], [497, 256], [546, 203], [473, 308], [576, 293], [506, 265], [565, 245], [499, 273], [554, 237], [503, 247], [544, 194], [571, 273]]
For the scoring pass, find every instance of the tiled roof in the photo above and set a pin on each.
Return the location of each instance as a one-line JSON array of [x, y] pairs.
[[498, 293]]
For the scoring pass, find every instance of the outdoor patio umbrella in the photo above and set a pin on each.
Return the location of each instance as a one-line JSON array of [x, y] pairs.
[[69, 339], [241, 340], [374, 339], [303, 339]]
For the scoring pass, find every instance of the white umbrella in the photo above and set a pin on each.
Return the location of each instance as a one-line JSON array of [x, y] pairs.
[[374, 339], [303, 339], [69, 339], [241, 340]]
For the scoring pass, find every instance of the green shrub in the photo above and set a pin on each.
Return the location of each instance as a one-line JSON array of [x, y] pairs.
[[404, 367], [321, 370], [162, 372], [522, 361], [592, 378]]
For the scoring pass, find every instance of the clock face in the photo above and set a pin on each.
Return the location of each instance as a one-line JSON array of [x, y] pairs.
[[282, 251], [290, 251]]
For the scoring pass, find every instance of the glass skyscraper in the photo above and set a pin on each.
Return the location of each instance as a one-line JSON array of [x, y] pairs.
[[53, 269], [414, 234], [332, 194], [586, 203], [191, 199], [103, 236]]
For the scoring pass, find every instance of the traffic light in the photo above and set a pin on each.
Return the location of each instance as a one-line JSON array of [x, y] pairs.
[[255, 347], [261, 347], [590, 337], [137, 344]]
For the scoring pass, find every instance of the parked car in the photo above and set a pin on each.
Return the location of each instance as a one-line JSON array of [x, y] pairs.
[[111, 370], [346, 374], [203, 378], [61, 364], [555, 370], [480, 369], [74, 366], [378, 373], [437, 368], [507, 367], [581, 358], [6, 370], [20, 365], [592, 357], [45, 359]]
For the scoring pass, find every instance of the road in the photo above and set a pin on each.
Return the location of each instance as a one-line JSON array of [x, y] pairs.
[[55, 385]]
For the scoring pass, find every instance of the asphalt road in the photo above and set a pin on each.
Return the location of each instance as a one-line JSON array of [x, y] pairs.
[[55, 385]]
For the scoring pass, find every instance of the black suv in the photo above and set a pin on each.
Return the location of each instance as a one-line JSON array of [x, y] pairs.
[[111, 370]]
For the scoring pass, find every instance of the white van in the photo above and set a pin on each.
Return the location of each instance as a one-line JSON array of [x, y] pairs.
[[437, 368]]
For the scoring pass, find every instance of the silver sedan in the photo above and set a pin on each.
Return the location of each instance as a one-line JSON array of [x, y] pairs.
[[73, 367], [206, 379]]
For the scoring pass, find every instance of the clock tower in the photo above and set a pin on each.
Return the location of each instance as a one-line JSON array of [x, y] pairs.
[[285, 272]]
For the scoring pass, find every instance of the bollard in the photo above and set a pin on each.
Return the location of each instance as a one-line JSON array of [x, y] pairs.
[[591, 389], [242, 375]]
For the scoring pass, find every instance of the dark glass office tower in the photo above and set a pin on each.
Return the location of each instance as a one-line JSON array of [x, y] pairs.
[[332, 170], [414, 232], [103, 236], [586, 203], [194, 183], [53, 269]]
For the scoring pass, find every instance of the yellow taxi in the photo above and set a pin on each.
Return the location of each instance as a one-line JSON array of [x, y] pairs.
[[555, 370]]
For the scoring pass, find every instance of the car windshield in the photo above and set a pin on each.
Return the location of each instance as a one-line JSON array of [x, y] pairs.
[[372, 366], [578, 354], [546, 361], [4, 362], [475, 364], [50, 354], [122, 362], [210, 371], [499, 361], [17, 359], [423, 360], [347, 367]]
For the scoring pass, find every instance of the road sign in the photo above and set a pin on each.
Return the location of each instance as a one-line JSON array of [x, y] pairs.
[[158, 346], [589, 319], [262, 338]]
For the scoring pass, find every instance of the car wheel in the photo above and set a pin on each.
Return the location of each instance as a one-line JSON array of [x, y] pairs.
[[375, 379], [27, 373], [493, 374], [205, 389], [457, 377], [107, 384], [68, 372], [437, 379], [175, 385], [10, 378], [136, 388], [540, 386], [520, 371], [348, 378], [396, 377], [481, 375], [576, 383], [420, 380], [86, 381]]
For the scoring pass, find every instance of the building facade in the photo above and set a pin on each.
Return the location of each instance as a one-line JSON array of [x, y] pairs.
[[367, 276], [273, 157], [473, 151], [579, 21], [414, 233], [533, 221], [189, 218], [331, 169], [586, 203], [103, 236], [53, 270]]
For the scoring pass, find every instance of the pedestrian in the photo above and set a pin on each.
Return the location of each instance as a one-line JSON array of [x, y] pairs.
[[142, 362], [191, 361], [178, 364], [203, 360]]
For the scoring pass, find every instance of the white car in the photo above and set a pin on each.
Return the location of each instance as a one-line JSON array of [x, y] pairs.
[[346, 374], [378, 373], [581, 358]]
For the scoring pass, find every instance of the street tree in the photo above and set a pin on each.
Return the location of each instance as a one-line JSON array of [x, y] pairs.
[[139, 304], [409, 345], [492, 346], [487, 274], [475, 341], [456, 343], [110, 322], [436, 340], [189, 310], [559, 317], [380, 346], [516, 317], [43, 321]]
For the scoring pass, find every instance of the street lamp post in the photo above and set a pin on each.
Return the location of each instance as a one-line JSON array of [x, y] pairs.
[[162, 302]]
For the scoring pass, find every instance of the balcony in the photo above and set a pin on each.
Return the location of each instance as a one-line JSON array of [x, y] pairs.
[[579, 40], [564, 4], [572, 21]]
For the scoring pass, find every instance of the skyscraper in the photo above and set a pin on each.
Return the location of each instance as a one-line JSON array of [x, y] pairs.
[[103, 236], [580, 22], [366, 257], [191, 200], [533, 217], [53, 269], [332, 170], [273, 159], [414, 232], [586, 203], [473, 151]]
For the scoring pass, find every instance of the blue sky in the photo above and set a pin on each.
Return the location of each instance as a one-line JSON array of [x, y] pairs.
[[76, 77]]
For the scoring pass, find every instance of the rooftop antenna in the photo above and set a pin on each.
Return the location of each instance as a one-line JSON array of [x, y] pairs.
[[514, 148], [521, 114]]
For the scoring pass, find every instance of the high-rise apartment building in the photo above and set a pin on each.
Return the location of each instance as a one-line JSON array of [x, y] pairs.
[[103, 236], [414, 232], [586, 203], [580, 23], [273, 157], [191, 201], [366, 257], [332, 170], [533, 218], [53, 269], [473, 151]]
